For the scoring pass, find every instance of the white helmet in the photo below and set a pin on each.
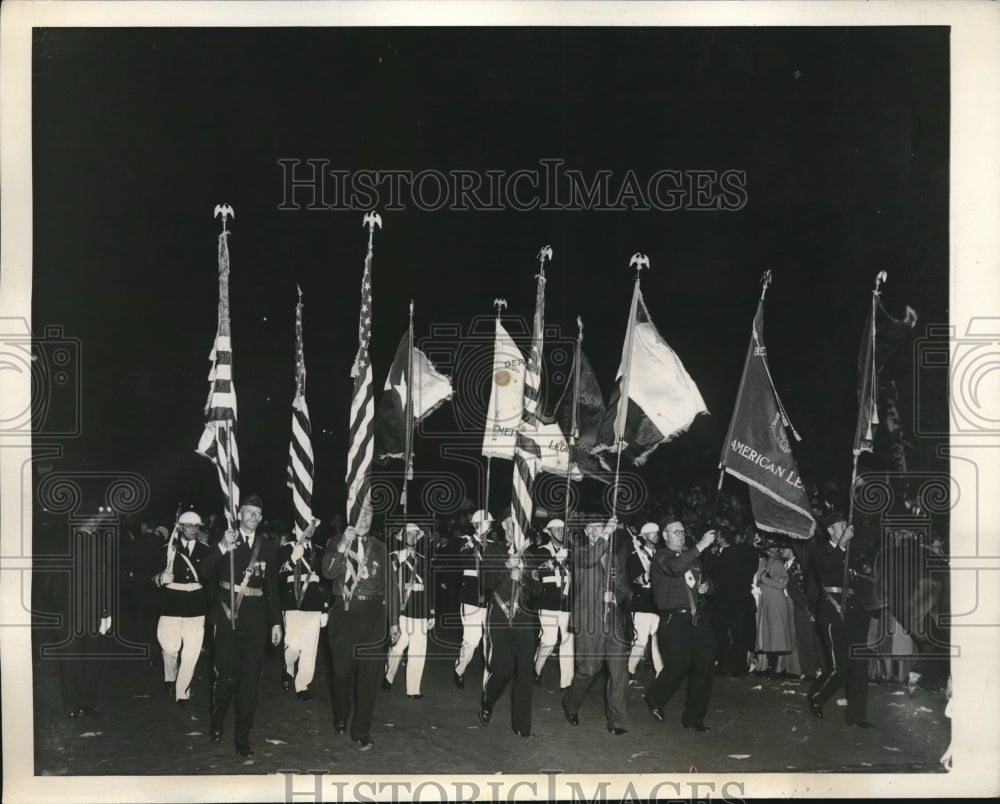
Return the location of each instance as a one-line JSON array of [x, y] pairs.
[[189, 518]]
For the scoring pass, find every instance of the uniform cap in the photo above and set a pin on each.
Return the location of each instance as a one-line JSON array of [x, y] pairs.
[[189, 518], [481, 517], [650, 527], [554, 523], [254, 500]]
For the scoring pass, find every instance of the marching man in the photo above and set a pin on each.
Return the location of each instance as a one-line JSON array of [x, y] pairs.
[[645, 620], [411, 613], [553, 572], [471, 594], [304, 609], [181, 628]]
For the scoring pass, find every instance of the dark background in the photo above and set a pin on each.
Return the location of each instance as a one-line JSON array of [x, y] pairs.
[[137, 134]]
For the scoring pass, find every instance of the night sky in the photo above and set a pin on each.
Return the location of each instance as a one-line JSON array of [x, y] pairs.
[[138, 134]]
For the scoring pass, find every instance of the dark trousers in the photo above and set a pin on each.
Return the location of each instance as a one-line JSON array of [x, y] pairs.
[[688, 651], [592, 652], [510, 653], [79, 677], [357, 648], [239, 662], [735, 632], [843, 671]]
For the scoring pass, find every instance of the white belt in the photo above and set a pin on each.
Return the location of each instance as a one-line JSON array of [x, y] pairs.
[[184, 587], [471, 573], [312, 578], [551, 579]]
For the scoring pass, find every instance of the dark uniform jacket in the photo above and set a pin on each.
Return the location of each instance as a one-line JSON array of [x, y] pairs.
[[177, 602], [499, 588], [639, 578], [469, 560], [259, 609], [554, 574], [409, 585], [675, 578], [826, 569], [590, 568], [374, 561], [299, 583]]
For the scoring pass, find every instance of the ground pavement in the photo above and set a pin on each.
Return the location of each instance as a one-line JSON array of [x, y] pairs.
[[756, 725]]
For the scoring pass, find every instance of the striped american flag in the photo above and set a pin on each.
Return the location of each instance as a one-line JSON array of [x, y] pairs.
[[527, 455], [218, 441], [300, 452], [362, 425]]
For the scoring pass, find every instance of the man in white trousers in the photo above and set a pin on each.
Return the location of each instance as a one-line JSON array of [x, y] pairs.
[[470, 557], [181, 628], [304, 609], [645, 619], [553, 572], [411, 611]]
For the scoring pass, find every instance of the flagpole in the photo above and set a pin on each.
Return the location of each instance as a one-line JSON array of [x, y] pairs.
[[880, 279], [500, 304], [765, 283], [408, 469], [574, 429], [230, 512], [638, 261]]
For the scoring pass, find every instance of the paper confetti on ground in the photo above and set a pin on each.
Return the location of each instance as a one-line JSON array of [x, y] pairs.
[[923, 709], [193, 734], [899, 693], [890, 748], [92, 734], [276, 742], [842, 702], [758, 687], [790, 692], [739, 756]]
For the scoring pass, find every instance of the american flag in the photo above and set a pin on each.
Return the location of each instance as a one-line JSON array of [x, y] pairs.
[[218, 441], [362, 434], [300, 452], [527, 455]]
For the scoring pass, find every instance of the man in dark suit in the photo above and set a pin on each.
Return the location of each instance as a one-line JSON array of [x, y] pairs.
[[245, 611], [844, 626], [731, 605]]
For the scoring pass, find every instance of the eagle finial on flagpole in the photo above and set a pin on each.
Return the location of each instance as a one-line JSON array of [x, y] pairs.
[[880, 279], [226, 211], [371, 220], [638, 261], [543, 255], [501, 304], [765, 283]]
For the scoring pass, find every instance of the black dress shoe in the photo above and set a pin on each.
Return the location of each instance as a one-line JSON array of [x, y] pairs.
[[699, 726], [521, 732], [655, 711], [286, 684], [416, 697], [183, 702], [538, 680], [244, 751], [816, 709], [572, 717], [685, 721], [216, 734], [617, 731], [485, 715], [864, 724], [304, 695], [365, 743], [386, 684], [340, 726], [459, 680], [631, 678], [168, 688]]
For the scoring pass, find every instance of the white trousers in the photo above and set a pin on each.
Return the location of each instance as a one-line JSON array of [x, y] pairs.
[[473, 618], [412, 636], [554, 623], [646, 623], [180, 640], [301, 642]]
